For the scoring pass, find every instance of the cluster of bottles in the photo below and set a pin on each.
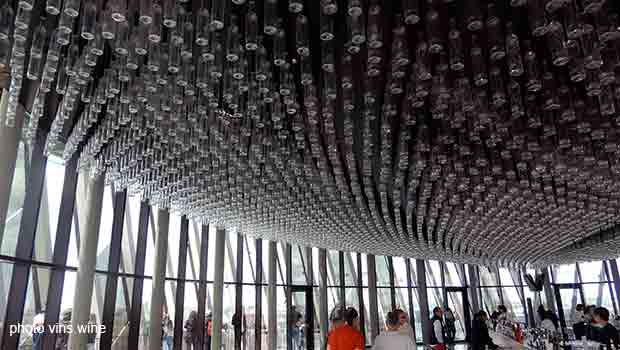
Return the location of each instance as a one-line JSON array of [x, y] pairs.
[[452, 128]]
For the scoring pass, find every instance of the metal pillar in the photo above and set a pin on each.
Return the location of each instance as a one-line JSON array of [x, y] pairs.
[[474, 285], [549, 291], [202, 284], [615, 277], [410, 295], [138, 284], [373, 312], [218, 288], [180, 295], [239, 293], [272, 337], [423, 295], [61, 248], [258, 317], [25, 244], [323, 309], [159, 278], [9, 144], [109, 303], [87, 261]]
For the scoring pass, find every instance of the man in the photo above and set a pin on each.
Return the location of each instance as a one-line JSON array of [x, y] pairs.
[[480, 338], [393, 338], [343, 336], [437, 331], [602, 331], [405, 325]]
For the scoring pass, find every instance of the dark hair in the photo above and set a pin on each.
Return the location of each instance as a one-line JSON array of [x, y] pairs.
[[392, 318], [350, 315], [502, 308], [579, 307], [602, 313], [436, 309], [338, 314]]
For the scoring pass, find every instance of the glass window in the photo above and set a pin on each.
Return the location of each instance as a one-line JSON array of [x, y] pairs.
[[333, 268], [433, 273], [249, 260], [384, 303], [8, 242], [593, 271], [265, 253], [598, 294], [298, 265], [130, 234], [364, 270], [400, 272], [49, 209], [120, 330], [383, 272], [490, 298], [488, 277], [453, 275], [435, 298], [350, 269], [151, 239], [281, 263], [145, 320], [105, 229], [565, 273], [506, 277], [512, 301], [174, 245], [192, 271], [230, 257], [282, 319]]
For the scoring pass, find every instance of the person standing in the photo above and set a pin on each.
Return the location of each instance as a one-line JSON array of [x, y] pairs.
[[450, 322], [37, 330], [405, 324], [602, 331], [189, 330], [343, 336], [209, 331], [167, 332], [393, 338], [438, 332], [480, 337]]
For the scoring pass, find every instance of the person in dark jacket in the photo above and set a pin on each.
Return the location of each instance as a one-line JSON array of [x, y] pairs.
[[480, 337], [450, 325], [602, 331], [438, 331]]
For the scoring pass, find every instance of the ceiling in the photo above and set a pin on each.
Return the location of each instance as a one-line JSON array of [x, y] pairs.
[[430, 129]]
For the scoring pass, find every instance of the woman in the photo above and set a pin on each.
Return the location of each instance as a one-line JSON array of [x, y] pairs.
[[343, 336], [450, 326], [480, 338], [393, 338]]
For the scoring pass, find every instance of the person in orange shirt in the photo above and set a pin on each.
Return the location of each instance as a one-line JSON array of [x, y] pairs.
[[343, 336]]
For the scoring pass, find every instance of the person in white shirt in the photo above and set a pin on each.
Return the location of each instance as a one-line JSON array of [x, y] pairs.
[[393, 338], [438, 334], [405, 325]]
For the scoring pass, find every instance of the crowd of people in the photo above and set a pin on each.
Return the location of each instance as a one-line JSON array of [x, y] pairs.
[[592, 323], [398, 334]]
